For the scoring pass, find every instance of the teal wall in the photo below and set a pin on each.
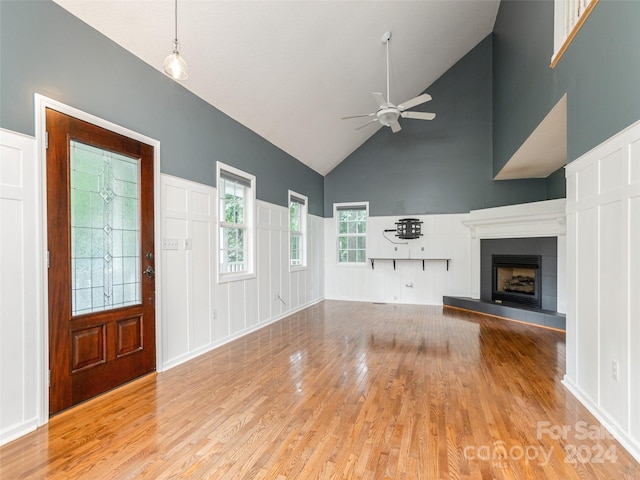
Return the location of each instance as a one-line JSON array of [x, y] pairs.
[[442, 166], [600, 72], [46, 50]]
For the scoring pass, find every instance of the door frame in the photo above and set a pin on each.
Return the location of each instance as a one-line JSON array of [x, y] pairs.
[[41, 104]]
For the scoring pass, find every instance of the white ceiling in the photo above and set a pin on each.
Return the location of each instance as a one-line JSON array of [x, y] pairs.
[[288, 70], [544, 152]]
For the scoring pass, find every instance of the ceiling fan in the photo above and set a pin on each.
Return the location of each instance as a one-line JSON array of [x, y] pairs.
[[388, 113]]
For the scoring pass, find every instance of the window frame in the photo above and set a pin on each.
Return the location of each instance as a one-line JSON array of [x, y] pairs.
[[350, 206], [304, 210], [248, 225]]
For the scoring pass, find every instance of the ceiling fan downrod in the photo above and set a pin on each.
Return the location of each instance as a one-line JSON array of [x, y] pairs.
[[385, 39], [389, 113]]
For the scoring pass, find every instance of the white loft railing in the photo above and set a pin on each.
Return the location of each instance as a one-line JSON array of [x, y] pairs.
[[573, 11], [569, 15]]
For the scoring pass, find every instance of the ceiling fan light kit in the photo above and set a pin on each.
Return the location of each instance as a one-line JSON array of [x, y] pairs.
[[386, 116], [388, 113]]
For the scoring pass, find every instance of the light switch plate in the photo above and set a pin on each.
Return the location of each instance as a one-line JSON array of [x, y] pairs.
[[170, 244]]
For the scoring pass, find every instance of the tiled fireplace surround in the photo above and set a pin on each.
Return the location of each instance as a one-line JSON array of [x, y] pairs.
[[533, 228]]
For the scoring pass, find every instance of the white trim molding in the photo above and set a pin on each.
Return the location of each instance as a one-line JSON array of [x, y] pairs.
[[41, 104]]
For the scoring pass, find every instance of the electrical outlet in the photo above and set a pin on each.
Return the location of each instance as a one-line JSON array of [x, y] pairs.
[[170, 244], [188, 243], [215, 313], [615, 368]]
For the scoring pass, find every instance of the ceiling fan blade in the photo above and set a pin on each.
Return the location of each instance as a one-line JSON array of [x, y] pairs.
[[395, 127], [375, 120], [379, 99], [418, 115], [358, 116], [419, 100]]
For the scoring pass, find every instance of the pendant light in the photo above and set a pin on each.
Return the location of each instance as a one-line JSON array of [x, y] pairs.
[[174, 65]]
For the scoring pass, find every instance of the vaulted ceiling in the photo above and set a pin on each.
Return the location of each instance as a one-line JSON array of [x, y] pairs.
[[288, 70]]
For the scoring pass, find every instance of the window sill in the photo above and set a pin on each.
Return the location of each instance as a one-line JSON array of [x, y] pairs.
[[583, 18], [297, 268], [352, 264]]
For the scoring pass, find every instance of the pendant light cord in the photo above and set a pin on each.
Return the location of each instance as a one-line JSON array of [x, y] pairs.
[[176, 24]]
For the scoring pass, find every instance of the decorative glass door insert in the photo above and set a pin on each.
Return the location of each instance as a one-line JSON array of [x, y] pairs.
[[105, 229]]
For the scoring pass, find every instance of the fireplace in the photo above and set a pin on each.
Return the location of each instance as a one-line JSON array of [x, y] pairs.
[[516, 279]]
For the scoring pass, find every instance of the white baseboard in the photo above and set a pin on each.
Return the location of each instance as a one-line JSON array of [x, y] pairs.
[[18, 431], [628, 443], [377, 300]]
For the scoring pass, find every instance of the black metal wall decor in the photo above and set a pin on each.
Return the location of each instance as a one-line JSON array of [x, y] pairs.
[[408, 228]]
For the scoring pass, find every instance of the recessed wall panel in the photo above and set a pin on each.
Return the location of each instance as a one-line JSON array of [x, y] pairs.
[[175, 298], [13, 321], [264, 283], [610, 171], [274, 272], [201, 203], [175, 198], [634, 163], [587, 309], [221, 323], [11, 167], [237, 306], [612, 312], [202, 276], [586, 183], [634, 313], [251, 302]]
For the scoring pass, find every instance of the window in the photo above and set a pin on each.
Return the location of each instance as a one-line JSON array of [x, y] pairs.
[[351, 222], [297, 230], [568, 17], [236, 199]]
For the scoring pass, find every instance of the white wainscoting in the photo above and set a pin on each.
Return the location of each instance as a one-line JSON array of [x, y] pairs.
[[20, 294], [603, 271], [444, 236], [198, 314]]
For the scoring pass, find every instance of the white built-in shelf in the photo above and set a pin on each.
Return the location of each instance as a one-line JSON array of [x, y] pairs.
[[423, 260]]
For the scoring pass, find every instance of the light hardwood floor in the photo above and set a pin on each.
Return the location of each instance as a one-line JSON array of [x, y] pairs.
[[341, 390]]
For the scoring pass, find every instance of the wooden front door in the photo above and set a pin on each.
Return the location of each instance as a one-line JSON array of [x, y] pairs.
[[101, 259]]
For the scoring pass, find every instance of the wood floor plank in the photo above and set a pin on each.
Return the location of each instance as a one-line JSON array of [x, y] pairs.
[[341, 390]]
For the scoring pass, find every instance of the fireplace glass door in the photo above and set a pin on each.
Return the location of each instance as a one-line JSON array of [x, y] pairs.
[[516, 280]]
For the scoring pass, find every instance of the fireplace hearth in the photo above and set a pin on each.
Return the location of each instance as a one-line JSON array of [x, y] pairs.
[[516, 280]]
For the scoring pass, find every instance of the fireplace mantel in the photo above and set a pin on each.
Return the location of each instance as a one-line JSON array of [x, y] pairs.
[[537, 219]]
